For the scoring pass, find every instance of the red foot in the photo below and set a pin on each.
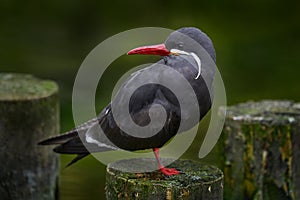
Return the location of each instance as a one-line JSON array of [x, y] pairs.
[[169, 171], [162, 169]]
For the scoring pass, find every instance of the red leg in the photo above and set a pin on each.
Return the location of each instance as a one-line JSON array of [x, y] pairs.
[[161, 167]]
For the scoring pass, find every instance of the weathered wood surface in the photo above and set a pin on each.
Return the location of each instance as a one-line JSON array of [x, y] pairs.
[[198, 181], [262, 151], [29, 112]]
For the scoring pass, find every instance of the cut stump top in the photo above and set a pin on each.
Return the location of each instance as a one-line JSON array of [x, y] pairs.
[[197, 181], [192, 172], [275, 112], [15, 86]]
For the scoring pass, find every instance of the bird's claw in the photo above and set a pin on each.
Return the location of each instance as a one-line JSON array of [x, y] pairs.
[[169, 171]]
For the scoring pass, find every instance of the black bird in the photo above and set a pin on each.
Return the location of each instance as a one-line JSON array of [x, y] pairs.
[[181, 52]]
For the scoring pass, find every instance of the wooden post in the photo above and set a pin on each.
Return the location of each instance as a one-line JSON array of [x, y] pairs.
[[197, 181], [262, 151], [29, 112]]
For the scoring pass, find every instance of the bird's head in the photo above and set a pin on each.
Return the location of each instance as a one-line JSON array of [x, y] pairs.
[[180, 42]]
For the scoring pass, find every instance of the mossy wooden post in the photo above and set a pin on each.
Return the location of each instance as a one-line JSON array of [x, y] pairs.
[[262, 151], [197, 181], [29, 112]]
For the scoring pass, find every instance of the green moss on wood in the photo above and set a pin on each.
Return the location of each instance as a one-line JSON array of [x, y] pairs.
[[25, 86], [197, 181]]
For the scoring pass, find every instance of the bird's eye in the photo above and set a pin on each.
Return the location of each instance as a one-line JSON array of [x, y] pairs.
[[180, 45]]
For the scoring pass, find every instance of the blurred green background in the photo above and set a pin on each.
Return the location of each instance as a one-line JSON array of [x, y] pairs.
[[257, 44]]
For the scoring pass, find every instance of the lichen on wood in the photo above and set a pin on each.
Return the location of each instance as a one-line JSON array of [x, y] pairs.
[[260, 149], [197, 181], [29, 112]]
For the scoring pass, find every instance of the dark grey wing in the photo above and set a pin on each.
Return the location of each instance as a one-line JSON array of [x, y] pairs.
[[65, 137], [79, 140], [138, 94], [72, 141]]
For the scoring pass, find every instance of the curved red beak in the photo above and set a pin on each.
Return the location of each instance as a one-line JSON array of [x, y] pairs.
[[159, 49]]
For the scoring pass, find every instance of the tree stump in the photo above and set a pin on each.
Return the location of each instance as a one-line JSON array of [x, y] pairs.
[[262, 151], [197, 181], [29, 112]]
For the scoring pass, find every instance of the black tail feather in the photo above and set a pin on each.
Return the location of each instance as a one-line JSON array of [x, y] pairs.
[[72, 146], [78, 157], [70, 134], [70, 142], [59, 139]]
